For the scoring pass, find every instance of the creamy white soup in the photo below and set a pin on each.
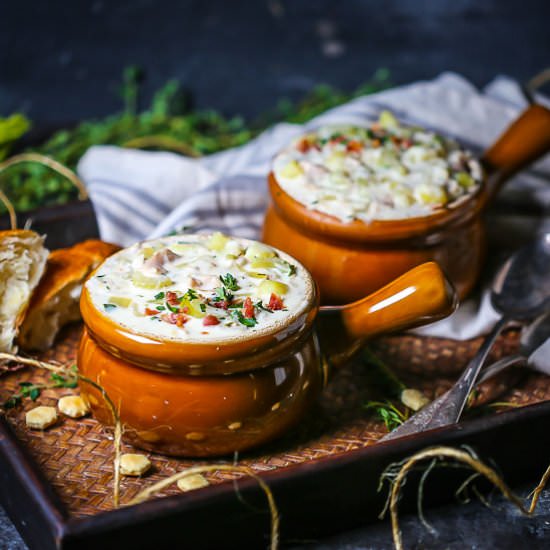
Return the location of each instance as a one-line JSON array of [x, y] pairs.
[[383, 172], [201, 288]]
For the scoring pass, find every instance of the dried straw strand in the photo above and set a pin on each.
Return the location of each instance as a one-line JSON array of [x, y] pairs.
[[162, 484], [50, 163], [63, 369], [463, 457], [10, 209], [162, 142]]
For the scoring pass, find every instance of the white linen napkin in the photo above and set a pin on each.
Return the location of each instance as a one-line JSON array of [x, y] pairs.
[[139, 194]]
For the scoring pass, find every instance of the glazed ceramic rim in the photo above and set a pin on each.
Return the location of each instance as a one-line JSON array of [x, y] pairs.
[[226, 355], [457, 213]]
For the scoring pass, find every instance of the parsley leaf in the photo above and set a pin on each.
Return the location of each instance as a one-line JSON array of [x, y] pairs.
[[259, 305], [159, 296], [107, 307], [246, 321], [63, 382], [229, 282], [222, 294], [388, 413], [190, 294]]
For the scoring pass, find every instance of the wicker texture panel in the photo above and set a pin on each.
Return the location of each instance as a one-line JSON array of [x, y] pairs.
[[76, 456]]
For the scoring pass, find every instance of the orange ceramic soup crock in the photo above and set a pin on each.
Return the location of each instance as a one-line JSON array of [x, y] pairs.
[[351, 259], [208, 348]]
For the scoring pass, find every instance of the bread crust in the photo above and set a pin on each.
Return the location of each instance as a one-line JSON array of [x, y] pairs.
[[70, 265], [65, 267], [10, 241]]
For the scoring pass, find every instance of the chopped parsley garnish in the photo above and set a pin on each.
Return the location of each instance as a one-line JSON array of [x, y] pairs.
[[173, 309], [160, 308], [203, 307], [246, 321], [291, 269], [109, 306], [229, 282], [259, 305], [190, 295], [222, 295], [159, 296], [32, 391]]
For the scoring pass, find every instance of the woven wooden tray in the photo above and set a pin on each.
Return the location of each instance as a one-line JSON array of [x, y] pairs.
[[76, 456]]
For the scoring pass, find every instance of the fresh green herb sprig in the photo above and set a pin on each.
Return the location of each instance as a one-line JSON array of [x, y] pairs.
[[168, 124], [246, 321], [229, 282], [11, 129], [222, 295], [32, 391], [190, 295], [388, 412], [225, 293], [260, 305]]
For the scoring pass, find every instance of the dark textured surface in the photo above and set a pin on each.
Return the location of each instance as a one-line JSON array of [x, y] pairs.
[[62, 60], [457, 527], [337, 426]]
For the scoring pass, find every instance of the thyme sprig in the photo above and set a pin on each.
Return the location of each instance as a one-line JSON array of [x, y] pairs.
[[169, 123], [229, 282], [32, 391], [388, 413], [246, 321]]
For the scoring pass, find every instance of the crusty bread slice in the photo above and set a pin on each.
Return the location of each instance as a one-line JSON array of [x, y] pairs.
[[22, 262], [56, 300]]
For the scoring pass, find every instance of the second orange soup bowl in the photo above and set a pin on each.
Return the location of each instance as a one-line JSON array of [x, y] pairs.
[[350, 260]]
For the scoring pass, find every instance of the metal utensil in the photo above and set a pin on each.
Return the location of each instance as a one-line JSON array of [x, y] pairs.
[[534, 351], [520, 291]]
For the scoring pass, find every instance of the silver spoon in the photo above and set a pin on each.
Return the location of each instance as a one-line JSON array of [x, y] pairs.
[[534, 351], [520, 291]]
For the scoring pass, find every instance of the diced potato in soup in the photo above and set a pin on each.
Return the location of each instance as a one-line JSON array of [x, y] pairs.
[[200, 288], [382, 172]]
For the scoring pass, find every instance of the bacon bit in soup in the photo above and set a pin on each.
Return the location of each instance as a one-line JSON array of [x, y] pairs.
[[172, 298], [248, 308], [338, 139], [181, 320], [210, 320], [387, 171], [275, 303], [177, 319], [354, 147], [303, 145], [234, 299]]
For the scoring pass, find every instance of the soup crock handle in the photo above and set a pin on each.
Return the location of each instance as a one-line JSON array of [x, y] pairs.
[[419, 296], [522, 143]]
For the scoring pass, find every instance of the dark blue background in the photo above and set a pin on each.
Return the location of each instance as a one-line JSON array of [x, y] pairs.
[[60, 61]]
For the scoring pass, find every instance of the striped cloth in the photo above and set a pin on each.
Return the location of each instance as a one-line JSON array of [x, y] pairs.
[[139, 194]]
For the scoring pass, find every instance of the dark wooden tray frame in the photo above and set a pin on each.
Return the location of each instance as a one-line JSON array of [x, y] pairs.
[[315, 499]]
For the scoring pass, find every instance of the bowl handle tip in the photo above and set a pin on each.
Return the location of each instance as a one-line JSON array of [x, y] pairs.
[[419, 296]]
